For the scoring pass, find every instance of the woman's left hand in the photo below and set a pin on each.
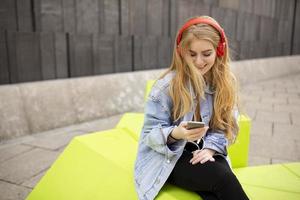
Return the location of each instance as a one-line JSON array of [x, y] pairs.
[[202, 156]]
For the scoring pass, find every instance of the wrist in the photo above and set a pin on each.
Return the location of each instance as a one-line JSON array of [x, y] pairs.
[[174, 134]]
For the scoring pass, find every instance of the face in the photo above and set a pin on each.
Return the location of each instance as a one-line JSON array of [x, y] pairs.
[[203, 55]]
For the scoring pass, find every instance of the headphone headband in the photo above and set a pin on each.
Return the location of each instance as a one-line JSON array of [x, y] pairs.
[[200, 20]]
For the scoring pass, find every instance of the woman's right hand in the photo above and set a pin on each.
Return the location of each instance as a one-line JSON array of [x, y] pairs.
[[181, 132]]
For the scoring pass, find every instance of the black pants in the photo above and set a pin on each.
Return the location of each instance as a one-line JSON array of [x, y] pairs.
[[211, 180]]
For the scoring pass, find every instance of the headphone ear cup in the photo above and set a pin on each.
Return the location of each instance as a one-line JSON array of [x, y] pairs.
[[221, 49]]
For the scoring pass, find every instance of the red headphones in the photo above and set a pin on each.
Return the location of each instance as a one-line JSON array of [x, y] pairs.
[[200, 20]]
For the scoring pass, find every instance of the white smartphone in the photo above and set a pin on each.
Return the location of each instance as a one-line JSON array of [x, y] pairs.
[[195, 124]]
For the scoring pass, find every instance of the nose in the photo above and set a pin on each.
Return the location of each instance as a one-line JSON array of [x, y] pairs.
[[198, 61]]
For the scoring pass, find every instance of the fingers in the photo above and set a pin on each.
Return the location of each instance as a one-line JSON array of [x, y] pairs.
[[201, 156], [195, 134], [183, 124]]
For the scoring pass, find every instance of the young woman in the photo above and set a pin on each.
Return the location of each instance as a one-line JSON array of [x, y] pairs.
[[198, 86]]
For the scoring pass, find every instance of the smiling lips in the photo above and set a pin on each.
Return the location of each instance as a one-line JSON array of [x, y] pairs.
[[201, 68]]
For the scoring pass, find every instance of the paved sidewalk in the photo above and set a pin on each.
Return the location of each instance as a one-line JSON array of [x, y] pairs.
[[273, 105]]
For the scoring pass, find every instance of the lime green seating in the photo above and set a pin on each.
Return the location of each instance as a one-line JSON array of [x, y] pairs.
[[281, 181], [100, 166]]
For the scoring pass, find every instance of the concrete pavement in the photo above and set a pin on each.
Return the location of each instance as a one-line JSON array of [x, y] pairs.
[[273, 105]]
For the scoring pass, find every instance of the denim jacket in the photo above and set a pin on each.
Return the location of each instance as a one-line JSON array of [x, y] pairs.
[[155, 158]]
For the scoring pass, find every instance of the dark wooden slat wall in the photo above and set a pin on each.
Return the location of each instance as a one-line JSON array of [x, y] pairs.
[[4, 73], [103, 54], [296, 41], [123, 54], [50, 39], [24, 15], [8, 15], [81, 57], [61, 55], [47, 55]]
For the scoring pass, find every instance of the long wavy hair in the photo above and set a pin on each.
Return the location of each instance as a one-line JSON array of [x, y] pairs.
[[187, 77]]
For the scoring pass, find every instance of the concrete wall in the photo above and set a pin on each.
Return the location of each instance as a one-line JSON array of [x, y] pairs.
[[39, 106]]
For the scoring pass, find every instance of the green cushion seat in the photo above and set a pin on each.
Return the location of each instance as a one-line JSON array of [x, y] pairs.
[[97, 166], [100, 166], [277, 177]]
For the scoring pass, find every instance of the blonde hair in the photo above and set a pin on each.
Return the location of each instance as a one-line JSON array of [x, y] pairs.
[[222, 80]]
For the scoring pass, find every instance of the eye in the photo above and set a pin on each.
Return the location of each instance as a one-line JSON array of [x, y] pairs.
[[192, 53], [206, 54]]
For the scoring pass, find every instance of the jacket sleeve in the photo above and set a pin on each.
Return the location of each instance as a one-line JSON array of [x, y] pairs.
[[158, 124], [216, 140]]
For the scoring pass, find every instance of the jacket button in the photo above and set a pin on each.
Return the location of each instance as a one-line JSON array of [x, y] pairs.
[[157, 181], [168, 161]]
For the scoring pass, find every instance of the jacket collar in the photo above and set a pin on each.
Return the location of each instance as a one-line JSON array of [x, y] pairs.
[[208, 89]]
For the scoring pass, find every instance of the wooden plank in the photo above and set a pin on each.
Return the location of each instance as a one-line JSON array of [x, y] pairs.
[[82, 55], [296, 48], [149, 53], [47, 48], [69, 16], [139, 17], [166, 18], [173, 18], [244, 50], [8, 16], [247, 27], [264, 8], [51, 15], [24, 13], [234, 50], [37, 15], [125, 17], [61, 55], [184, 11], [71, 45], [268, 29], [87, 16], [200, 8], [101, 17], [227, 19], [286, 49], [164, 50], [111, 17], [231, 4], [137, 51], [12, 55], [191, 8], [104, 54], [258, 49], [246, 6], [274, 49], [28, 57], [154, 17], [284, 32], [296, 39], [4, 73], [123, 53]]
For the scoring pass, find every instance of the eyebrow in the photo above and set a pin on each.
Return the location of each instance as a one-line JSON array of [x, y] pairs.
[[205, 51]]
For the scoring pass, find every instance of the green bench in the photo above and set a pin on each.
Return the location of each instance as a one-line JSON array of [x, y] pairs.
[[100, 166]]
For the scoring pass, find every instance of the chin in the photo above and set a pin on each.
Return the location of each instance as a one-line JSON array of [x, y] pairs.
[[202, 71]]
